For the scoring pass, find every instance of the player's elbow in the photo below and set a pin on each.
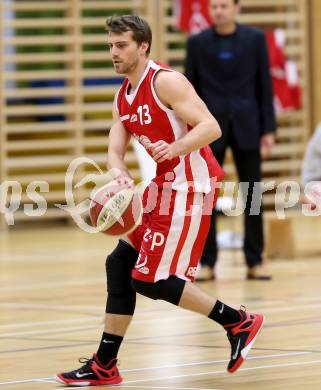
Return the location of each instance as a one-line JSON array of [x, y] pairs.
[[215, 131]]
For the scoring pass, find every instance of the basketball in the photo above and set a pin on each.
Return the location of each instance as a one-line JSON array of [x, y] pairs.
[[115, 209]]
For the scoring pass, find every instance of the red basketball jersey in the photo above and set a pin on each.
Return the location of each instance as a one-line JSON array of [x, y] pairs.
[[149, 120]]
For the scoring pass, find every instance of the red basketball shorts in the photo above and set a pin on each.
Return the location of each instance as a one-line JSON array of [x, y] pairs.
[[172, 234]]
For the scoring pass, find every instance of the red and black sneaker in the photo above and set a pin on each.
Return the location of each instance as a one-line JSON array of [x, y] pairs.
[[242, 336], [92, 373]]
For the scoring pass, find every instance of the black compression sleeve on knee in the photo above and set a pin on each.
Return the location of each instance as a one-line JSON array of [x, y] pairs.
[[169, 290], [123, 304], [119, 264]]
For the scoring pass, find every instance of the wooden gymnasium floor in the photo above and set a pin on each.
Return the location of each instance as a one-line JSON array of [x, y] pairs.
[[52, 297]]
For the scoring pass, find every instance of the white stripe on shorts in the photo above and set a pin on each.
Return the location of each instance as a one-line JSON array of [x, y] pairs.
[[173, 236], [185, 255]]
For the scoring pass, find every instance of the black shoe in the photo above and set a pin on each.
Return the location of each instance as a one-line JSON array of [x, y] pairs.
[[242, 336], [92, 373]]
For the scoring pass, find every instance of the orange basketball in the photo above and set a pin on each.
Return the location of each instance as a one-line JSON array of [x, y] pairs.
[[115, 209]]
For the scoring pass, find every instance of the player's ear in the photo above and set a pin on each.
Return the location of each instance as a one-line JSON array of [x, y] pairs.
[[144, 47]]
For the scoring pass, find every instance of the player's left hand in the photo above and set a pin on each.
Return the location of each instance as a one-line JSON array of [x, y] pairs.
[[161, 151]]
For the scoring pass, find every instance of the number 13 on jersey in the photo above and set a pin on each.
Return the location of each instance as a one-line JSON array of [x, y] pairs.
[[144, 115]]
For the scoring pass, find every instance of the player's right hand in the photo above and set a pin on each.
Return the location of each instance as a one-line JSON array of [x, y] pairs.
[[161, 151]]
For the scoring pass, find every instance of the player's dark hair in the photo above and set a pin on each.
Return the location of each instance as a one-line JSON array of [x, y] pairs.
[[139, 27]]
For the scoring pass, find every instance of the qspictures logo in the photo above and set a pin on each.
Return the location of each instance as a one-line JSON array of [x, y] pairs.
[[287, 195]]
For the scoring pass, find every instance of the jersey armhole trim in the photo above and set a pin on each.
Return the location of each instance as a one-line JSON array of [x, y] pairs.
[[157, 99], [116, 100]]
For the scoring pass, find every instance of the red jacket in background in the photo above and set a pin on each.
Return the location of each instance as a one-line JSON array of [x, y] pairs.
[[287, 92], [192, 15]]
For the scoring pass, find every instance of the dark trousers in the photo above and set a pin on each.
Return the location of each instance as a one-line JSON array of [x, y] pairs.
[[248, 165]]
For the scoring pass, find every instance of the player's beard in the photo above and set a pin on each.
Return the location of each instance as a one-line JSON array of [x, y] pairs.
[[125, 68]]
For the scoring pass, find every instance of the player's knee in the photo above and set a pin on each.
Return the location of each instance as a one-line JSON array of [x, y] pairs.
[[169, 290], [119, 264]]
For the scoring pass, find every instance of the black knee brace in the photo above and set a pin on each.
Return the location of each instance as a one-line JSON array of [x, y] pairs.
[[169, 290], [119, 264]]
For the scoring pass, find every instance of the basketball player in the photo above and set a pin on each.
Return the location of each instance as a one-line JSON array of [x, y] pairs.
[[161, 109]]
